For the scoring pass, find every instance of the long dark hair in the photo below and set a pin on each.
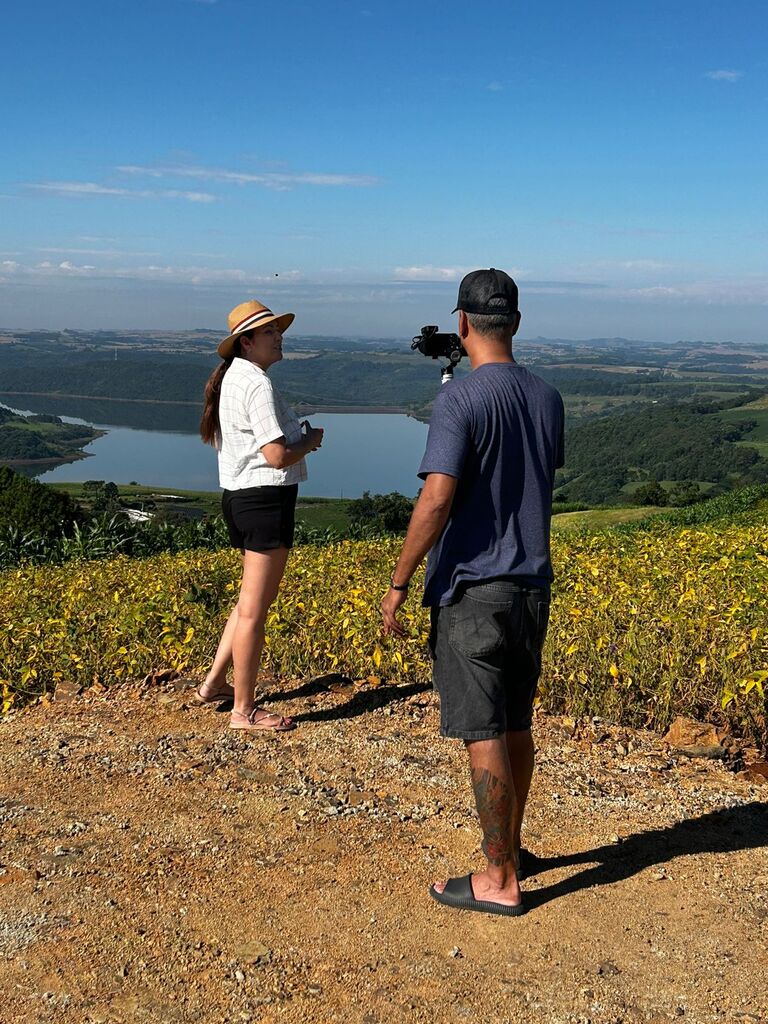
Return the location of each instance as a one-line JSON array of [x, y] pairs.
[[210, 428]]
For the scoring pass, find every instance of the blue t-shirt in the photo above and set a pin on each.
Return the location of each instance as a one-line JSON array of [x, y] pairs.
[[499, 431]]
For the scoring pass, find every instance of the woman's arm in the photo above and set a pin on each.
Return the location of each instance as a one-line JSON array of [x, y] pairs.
[[281, 455]]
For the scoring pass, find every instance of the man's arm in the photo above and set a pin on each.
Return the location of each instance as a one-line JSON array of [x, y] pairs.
[[426, 525]]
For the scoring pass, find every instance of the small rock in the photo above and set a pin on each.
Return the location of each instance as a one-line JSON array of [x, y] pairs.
[[713, 752], [687, 732], [66, 691], [756, 773], [607, 969], [456, 953], [358, 797], [566, 728], [253, 953]]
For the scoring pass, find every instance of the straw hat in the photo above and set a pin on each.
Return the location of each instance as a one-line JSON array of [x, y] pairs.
[[245, 317]]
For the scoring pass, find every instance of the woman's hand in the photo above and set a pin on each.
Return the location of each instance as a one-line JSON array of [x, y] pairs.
[[313, 435]]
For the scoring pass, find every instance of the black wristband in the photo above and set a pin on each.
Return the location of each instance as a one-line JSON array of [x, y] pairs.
[[394, 586]]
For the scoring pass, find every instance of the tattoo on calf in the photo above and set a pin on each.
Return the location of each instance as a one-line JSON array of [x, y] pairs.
[[495, 804]]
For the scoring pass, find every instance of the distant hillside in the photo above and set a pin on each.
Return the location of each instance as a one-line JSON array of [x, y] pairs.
[[35, 438], [671, 442], [133, 379], [635, 412]]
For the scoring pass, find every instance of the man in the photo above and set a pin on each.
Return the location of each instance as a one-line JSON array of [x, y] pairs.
[[495, 440]]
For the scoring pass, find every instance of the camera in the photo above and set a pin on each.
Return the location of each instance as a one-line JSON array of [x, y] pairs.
[[439, 346]]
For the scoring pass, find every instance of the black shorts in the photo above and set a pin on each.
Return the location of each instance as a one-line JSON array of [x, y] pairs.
[[260, 518], [486, 650]]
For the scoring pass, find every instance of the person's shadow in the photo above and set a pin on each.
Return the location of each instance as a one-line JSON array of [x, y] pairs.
[[723, 831], [361, 702]]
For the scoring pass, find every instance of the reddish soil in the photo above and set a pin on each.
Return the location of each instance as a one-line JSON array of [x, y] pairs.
[[158, 868]]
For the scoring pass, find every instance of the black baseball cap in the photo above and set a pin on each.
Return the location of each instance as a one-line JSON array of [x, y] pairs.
[[487, 291]]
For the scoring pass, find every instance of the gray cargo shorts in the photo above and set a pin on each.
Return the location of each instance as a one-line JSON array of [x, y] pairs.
[[486, 652]]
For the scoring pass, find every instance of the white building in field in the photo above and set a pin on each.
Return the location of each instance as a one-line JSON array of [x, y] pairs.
[[138, 515]]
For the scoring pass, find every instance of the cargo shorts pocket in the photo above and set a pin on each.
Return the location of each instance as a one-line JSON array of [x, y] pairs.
[[542, 622], [478, 629]]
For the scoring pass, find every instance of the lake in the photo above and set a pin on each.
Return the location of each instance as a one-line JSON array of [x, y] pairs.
[[158, 445]]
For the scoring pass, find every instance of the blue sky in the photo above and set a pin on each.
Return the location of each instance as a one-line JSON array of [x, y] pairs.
[[163, 160]]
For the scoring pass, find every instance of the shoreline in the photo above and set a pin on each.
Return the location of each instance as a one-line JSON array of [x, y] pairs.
[[304, 407]]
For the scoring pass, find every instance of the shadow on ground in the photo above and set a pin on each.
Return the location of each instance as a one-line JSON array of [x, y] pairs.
[[722, 831], [361, 702]]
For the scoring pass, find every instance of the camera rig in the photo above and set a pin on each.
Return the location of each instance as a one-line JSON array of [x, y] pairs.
[[435, 345]]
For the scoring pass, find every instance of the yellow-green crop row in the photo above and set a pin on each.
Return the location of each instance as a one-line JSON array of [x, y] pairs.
[[644, 625]]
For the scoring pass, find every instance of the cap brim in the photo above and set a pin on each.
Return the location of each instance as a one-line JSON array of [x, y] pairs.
[[283, 321]]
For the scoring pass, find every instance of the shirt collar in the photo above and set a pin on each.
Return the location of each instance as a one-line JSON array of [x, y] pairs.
[[240, 359]]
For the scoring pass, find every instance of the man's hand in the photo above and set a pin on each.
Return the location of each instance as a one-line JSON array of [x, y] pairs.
[[393, 600], [427, 522]]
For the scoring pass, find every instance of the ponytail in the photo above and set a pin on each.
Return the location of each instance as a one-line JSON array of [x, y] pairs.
[[210, 428]]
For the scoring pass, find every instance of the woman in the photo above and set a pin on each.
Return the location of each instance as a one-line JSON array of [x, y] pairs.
[[261, 447]]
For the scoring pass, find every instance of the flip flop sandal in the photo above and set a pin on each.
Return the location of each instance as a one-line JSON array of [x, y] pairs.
[[458, 893], [219, 695], [249, 723]]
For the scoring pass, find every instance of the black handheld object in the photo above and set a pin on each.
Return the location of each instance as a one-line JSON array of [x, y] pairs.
[[435, 345], [438, 346]]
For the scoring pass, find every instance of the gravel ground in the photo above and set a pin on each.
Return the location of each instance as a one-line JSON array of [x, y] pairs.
[[156, 867]]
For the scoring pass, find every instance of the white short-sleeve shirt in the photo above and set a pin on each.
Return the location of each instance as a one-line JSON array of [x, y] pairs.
[[252, 412]]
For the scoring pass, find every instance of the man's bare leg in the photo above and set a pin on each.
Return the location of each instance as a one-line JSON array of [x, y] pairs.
[[493, 786], [521, 760]]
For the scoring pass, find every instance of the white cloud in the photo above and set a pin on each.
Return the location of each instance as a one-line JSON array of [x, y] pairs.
[[430, 273], [495, 87], [97, 252], [71, 267], [191, 275], [76, 189], [723, 75], [643, 265], [278, 180], [748, 291]]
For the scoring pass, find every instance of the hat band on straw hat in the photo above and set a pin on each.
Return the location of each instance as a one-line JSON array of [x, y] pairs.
[[252, 320]]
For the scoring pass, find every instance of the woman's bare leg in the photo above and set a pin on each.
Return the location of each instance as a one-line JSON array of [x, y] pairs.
[[216, 679], [262, 572]]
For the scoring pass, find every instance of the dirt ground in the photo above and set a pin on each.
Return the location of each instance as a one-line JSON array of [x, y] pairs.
[[158, 868]]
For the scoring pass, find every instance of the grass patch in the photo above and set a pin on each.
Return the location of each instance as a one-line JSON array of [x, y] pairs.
[[600, 518], [324, 513], [757, 411]]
